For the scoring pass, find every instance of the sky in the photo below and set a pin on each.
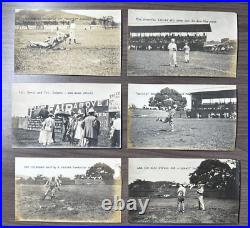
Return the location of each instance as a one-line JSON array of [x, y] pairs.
[[223, 24], [68, 167], [22, 100], [93, 13], [139, 94], [178, 169]]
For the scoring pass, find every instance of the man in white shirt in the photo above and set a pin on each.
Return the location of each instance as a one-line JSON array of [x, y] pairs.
[[72, 32], [186, 52], [200, 192], [172, 47], [116, 131], [181, 193]]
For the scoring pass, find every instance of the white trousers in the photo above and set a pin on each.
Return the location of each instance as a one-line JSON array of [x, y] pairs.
[[186, 57], [172, 58], [201, 203]]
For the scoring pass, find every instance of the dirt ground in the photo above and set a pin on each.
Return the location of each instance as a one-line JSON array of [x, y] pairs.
[[72, 203], [29, 138], [97, 52], [189, 134], [163, 210], [154, 63]]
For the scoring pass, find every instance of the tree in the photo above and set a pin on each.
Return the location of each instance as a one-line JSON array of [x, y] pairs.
[[101, 170], [168, 97], [216, 175]]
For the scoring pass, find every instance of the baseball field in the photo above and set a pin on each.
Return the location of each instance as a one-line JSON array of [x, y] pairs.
[[78, 203], [189, 134], [163, 210], [155, 63], [97, 52]]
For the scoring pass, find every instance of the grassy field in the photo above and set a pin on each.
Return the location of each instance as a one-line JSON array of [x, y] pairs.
[[80, 203], [194, 134], [97, 52], [163, 210], [154, 63], [29, 138]]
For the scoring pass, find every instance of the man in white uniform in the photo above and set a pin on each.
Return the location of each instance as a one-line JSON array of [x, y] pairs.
[[172, 47], [200, 192], [181, 193], [186, 52], [72, 32]]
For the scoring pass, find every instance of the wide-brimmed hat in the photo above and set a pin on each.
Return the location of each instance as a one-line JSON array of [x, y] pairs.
[[91, 110]]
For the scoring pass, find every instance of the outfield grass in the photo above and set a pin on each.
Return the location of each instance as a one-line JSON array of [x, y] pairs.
[[189, 134], [154, 63], [75, 203]]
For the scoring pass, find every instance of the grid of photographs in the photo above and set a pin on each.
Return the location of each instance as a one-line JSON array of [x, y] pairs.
[[87, 116]]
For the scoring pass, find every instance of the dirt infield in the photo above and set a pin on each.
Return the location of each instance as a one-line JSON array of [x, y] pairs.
[[155, 63], [189, 134], [161, 210], [72, 203], [97, 52]]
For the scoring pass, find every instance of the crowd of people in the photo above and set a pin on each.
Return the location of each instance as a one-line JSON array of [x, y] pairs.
[[196, 42], [80, 130]]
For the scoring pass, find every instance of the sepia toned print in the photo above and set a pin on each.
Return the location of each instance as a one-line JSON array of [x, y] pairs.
[[182, 117], [66, 115], [68, 42], [182, 43], [185, 191], [66, 189]]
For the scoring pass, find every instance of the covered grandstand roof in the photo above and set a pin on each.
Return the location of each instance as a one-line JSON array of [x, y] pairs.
[[215, 94], [171, 28]]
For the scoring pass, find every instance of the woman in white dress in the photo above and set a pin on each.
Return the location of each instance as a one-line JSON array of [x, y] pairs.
[[79, 131], [48, 126]]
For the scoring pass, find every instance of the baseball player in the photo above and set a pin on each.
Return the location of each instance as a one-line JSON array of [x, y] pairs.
[[72, 32], [200, 192], [186, 52], [52, 187], [181, 193], [172, 48], [169, 117]]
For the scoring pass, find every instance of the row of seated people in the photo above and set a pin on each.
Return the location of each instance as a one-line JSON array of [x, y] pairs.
[[161, 42]]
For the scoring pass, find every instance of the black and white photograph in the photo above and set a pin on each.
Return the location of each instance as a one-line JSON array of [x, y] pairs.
[[182, 116], [185, 191], [66, 115], [66, 189], [182, 43], [68, 42]]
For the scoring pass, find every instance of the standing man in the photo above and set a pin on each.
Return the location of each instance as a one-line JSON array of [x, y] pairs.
[[200, 192], [170, 116], [116, 131], [186, 52], [72, 32], [91, 128], [181, 193], [172, 48], [65, 127]]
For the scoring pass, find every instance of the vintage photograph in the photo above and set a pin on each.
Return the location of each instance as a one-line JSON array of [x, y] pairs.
[[68, 42], [182, 43], [66, 189], [185, 191], [66, 115], [182, 116]]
